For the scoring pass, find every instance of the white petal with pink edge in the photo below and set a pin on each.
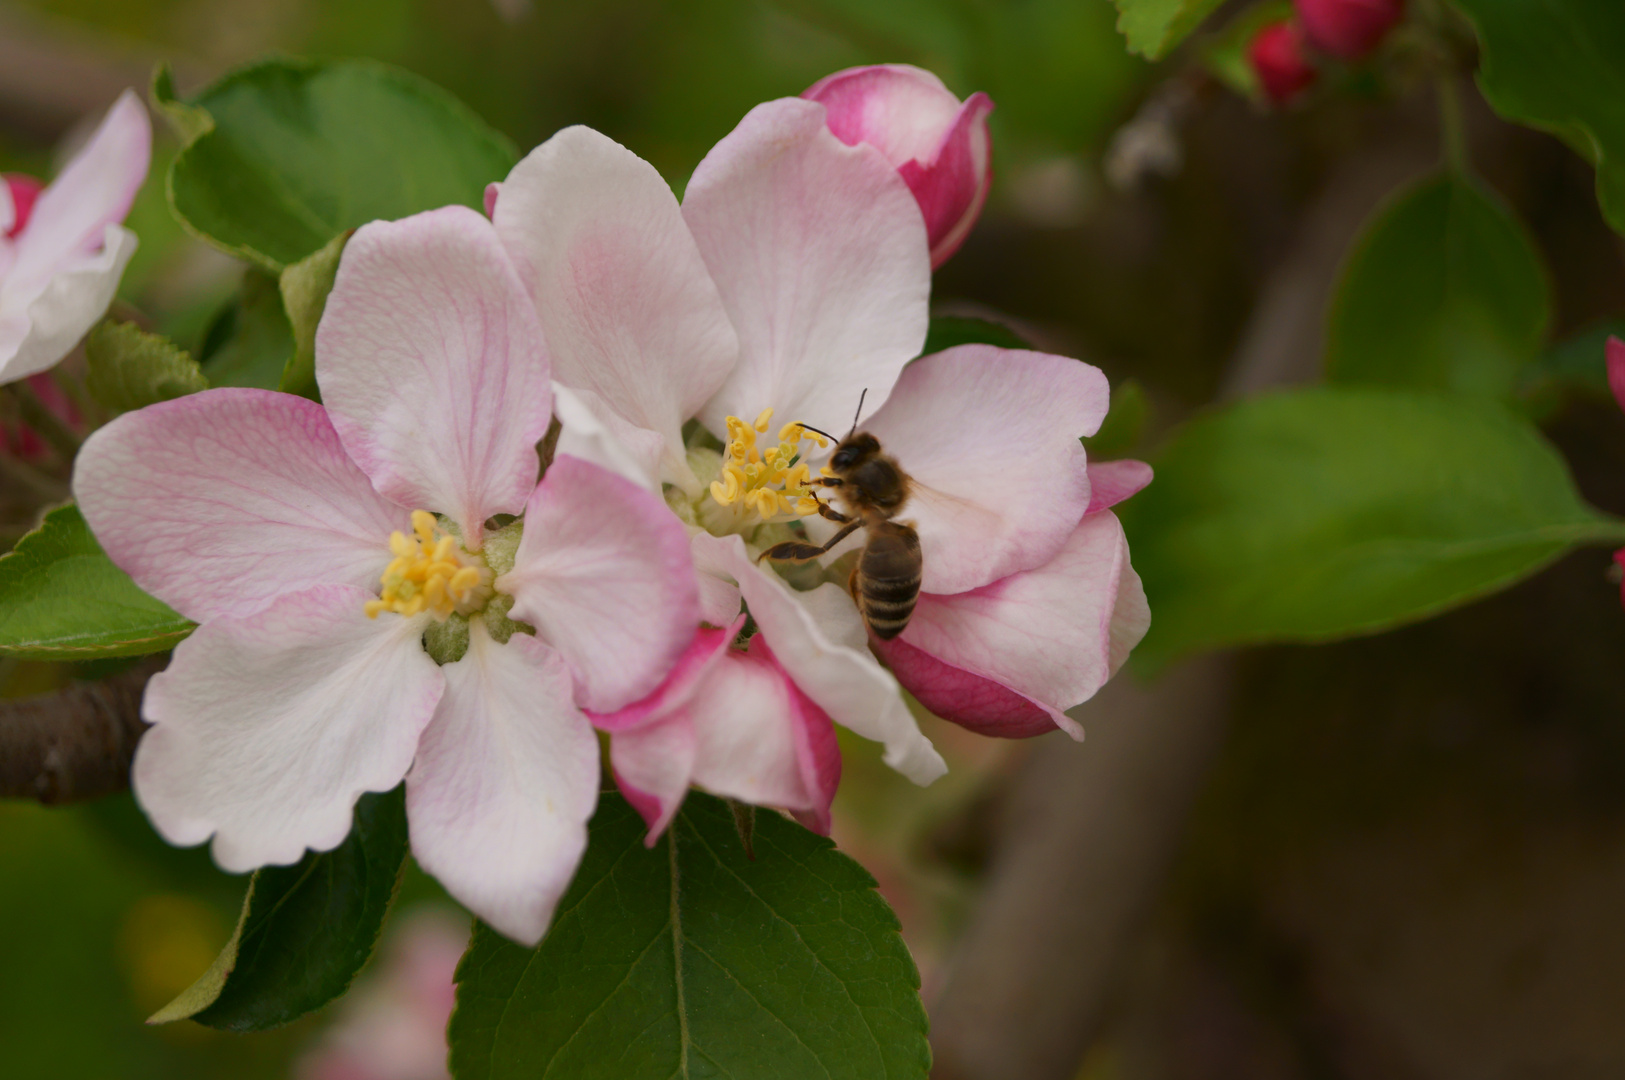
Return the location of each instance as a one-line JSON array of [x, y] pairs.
[[629, 310], [1110, 482], [653, 766], [591, 431], [811, 636], [820, 254], [989, 438], [1053, 635], [505, 779], [604, 574], [70, 219], [270, 726], [42, 319], [430, 360], [220, 502]]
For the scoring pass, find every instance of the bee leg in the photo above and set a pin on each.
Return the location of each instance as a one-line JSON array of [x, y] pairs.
[[795, 551], [832, 514]]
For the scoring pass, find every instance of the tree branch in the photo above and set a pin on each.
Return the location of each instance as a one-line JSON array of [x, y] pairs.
[[76, 743]]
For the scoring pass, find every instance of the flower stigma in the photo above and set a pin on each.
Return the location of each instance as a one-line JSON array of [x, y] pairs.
[[774, 483], [431, 573]]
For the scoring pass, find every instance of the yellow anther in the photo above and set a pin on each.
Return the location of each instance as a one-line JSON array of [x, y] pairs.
[[772, 482], [430, 573]]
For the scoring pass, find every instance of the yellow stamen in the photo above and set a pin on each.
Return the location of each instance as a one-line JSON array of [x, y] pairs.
[[430, 573], [772, 482]]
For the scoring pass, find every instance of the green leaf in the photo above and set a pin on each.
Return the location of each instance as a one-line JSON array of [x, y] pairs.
[[1154, 27], [305, 286], [287, 154], [129, 368], [251, 343], [1445, 291], [1324, 513], [305, 930], [692, 960], [947, 331], [1555, 65], [61, 598], [1579, 362]]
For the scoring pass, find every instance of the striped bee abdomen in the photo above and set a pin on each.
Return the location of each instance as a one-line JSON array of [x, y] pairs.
[[886, 581]]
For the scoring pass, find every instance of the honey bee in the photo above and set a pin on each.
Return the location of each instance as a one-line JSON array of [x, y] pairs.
[[885, 583]]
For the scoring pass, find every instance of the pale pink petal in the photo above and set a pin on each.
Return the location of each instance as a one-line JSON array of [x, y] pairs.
[[1110, 482], [93, 191], [630, 312], [820, 255], [1615, 352], [591, 431], [8, 215], [811, 638], [1053, 635], [604, 574], [719, 596], [269, 727], [505, 779], [990, 439], [220, 502], [430, 359], [493, 191], [42, 319], [653, 766], [678, 686], [759, 739]]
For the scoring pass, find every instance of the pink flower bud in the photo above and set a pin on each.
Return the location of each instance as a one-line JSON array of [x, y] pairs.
[[938, 144], [1277, 58], [1614, 352], [1348, 28], [24, 190], [21, 441]]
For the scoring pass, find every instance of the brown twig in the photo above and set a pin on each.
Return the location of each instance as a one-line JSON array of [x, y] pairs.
[[76, 743]]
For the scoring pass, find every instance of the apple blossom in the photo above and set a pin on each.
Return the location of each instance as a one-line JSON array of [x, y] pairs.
[[62, 249], [1349, 29], [938, 144], [793, 279], [1277, 56], [321, 548]]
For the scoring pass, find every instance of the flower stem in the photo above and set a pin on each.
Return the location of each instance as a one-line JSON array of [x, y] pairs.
[[50, 427]]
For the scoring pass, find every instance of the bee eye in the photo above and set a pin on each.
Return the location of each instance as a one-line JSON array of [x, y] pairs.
[[843, 458]]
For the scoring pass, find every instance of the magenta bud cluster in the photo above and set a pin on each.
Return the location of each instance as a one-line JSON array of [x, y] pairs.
[[1284, 54]]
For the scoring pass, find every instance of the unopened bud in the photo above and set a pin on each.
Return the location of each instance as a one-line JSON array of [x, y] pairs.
[[1278, 59], [1349, 29]]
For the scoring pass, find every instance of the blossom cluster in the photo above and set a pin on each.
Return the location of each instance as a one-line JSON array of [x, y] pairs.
[[555, 443]]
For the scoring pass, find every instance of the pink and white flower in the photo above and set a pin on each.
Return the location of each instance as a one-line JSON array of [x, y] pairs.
[[793, 278], [938, 144], [320, 548], [62, 249]]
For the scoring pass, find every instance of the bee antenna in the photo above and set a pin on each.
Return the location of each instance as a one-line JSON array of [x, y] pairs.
[[825, 434], [859, 412]]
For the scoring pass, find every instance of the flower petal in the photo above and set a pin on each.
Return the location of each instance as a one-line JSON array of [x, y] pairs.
[[430, 359], [270, 726], [982, 705], [820, 255], [604, 573], [990, 439], [220, 502], [679, 684], [761, 740], [1053, 635], [1110, 482], [810, 640], [41, 320], [505, 779], [653, 765], [953, 186], [591, 431], [719, 596], [630, 312], [93, 191]]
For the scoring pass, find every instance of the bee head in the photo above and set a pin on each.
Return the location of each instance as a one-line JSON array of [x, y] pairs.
[[854, 450]]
